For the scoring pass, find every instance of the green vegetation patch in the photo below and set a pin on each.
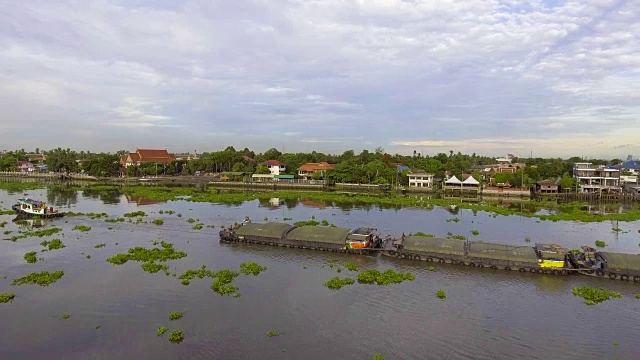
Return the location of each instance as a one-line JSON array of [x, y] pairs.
[[223, 285], [440, 294], [36, 233], [157, 222], [306, 223], [475, 232], [175, 315], [197, 226], [54, 244], [273, 333], [593, 296], [100, 246], [176, 336], [167, 252], [65, 316], [153, 268], [351, 266], [336, 283], [134, 214], [162, 330], [114, 220], [31, 257], [420, 233], [600, 243], [83, 228], [43, 278], [6, 297], [251, 268], [383, 278], [200, 273], [377, 357]]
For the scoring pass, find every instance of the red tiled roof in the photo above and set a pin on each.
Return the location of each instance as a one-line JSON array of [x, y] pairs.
[[273, 163], [153, 155], [316, 166]]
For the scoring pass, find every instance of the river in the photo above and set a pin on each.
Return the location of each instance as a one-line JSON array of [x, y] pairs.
[[115, 310]]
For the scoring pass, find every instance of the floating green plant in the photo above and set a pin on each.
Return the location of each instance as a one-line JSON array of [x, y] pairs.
[[475, 232], [176, 336], [36, 233], [83, 228], [431, 268], [114, 220], [7, 232], [637, 296], [527, 239], [251, 268], [167, 252], [600, 243], [273, 333], [324, 223], [336, 283], [197, 226], [593, 296], [65, 316], [175, 315], [153, 268], [453, 220], [157, 222], [222, 285], [185, 282], [100, 246], [43, 278], [200, 273], [377, 357], [134, 214], [6, 297], [4, 223], [54, 244], [191, 220], [440, 294], [306, 223], [383, 278], [351, 266], [162, 330], [31, 257]]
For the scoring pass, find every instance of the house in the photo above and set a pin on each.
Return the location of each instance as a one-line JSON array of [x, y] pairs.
[[547, 187], [36, 158], [400, 167], [184, 156], [275, 167], [470, 184], [25, 167], [248, 160], [420, 179], [142, 156], [592, 178], [307, 170]]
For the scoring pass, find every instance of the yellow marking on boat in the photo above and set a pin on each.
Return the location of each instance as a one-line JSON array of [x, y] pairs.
[[552, 264]]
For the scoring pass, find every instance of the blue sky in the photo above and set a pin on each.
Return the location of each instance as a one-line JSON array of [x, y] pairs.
[[552, 78]]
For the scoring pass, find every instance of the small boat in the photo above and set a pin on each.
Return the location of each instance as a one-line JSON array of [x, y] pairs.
[[31, 207]]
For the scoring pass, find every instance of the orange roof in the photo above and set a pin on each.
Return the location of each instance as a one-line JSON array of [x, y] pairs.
[[316, 166]]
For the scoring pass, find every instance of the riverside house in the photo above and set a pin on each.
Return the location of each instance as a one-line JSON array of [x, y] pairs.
[[275, 167], [142, 156], [307, 170], [418, 178]]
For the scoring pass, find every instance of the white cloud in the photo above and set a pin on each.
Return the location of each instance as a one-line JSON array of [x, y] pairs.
[[444, 70]]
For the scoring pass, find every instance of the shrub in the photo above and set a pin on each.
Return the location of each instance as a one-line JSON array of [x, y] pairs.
[[441, 294]]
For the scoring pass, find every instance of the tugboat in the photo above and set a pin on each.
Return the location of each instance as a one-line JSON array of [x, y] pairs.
[[28, 207]]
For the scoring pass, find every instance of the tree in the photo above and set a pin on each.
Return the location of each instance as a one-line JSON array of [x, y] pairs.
[[567, 182], [272, 154], [263, 170]]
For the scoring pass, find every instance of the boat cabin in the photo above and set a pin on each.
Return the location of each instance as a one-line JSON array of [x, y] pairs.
[[551, 255]]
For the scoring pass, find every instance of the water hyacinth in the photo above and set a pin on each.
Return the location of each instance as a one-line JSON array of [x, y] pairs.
[[167, 252], [222, 285], [162, 330], [43, 278], [251, 268], [594, 296], [175, 315], [30, 257], [176, 336], [6, 297], [82, 228], [37, 233], [387, 277], [54, 244], [336, 283]]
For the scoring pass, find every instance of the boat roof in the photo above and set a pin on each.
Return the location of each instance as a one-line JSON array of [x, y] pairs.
[[31, 201], [551, 249]]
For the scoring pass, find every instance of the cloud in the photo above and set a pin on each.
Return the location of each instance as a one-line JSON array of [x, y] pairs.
[[388, 71]]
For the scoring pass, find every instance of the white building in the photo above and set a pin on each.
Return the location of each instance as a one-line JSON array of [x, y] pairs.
[[592, 178], [275, 167], [420, 179]]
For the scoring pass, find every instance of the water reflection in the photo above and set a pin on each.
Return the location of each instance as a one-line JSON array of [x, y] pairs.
[[25, 223], [62, 195], [107, 197], [140, 200]]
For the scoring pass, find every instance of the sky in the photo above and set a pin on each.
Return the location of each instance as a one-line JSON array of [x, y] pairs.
[[525, 77]]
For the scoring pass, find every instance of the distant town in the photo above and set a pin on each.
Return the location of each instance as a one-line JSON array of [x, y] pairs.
[[453, 171]]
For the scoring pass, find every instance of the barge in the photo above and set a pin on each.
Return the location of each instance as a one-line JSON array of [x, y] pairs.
[[322, 238]]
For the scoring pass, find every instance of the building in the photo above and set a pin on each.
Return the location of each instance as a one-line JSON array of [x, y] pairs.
[[141, 156], [36, 158], [307, 170], [275, 167], [547, 187], [401, 167], [25, 167], [596, 178], [420, 179]]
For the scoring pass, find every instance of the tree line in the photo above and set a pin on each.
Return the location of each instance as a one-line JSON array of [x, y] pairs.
[[366, 167]]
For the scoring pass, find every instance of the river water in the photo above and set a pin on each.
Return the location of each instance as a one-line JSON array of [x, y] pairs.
[[116, 310]]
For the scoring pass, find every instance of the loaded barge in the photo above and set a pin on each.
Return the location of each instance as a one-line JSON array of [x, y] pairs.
[[323, 238], [542, 258]]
